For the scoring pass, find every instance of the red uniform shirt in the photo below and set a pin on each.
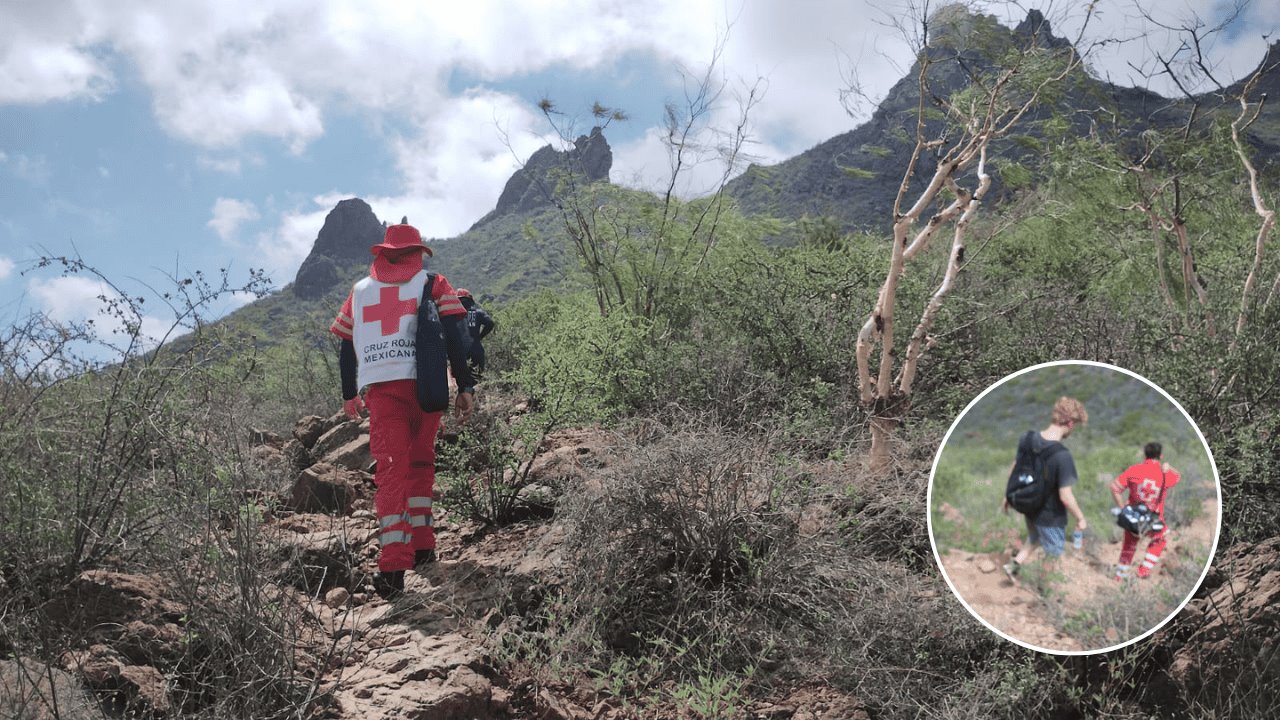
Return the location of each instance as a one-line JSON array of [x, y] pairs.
[[1143, 482]]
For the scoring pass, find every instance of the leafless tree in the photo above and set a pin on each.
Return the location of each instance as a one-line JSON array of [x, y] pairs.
[[992, 105], [1189, 67]]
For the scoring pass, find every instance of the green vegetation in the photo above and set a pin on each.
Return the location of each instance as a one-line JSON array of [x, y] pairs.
[[734, 544]]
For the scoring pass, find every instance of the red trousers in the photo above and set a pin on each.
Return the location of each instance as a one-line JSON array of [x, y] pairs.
[[402, 439], [1154, 548]]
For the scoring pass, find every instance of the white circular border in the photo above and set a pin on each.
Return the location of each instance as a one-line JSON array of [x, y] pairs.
[[1217, 487]]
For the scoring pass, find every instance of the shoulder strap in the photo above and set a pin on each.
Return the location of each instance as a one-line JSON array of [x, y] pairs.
[[1025, 442], [428, 288], [1052, 449], [1160, 497]]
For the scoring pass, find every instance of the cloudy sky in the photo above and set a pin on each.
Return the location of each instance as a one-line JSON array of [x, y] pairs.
[[158, 138]]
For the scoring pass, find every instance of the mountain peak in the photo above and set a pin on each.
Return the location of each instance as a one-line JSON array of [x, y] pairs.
[[349, 230], [958, 27], [532, 186]]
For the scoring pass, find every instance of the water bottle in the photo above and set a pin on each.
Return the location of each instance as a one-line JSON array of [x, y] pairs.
[[1077, 539]]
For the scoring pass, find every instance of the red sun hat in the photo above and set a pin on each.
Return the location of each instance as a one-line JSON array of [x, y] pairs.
[[401, 237]]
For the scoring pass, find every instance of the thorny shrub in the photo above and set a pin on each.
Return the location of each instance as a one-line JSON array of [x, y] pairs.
[[119, 456], [703, 555], [485, 469]]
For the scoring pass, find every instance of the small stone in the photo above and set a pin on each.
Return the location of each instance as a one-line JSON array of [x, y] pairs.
[[337, 597], [499, 699], [986, 566]]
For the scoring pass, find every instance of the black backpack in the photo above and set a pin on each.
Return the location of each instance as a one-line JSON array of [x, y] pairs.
[[1027, 490], [433, 353]]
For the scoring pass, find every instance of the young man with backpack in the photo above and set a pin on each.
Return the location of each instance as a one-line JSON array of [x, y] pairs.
[[400, 327], [1148, 483], [1040, 482]]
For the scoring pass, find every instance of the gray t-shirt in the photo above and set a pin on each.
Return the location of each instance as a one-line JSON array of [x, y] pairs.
[[1059, 472]]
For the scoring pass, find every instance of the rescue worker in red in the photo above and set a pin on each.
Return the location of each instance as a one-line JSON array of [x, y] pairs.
[[378, 325], [1147, 482]]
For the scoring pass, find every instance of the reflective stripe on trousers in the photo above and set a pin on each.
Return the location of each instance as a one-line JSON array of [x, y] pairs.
[[420, 512]]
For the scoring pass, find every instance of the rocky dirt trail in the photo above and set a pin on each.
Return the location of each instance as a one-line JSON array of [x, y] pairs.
[[1019, 611], [424, 655]]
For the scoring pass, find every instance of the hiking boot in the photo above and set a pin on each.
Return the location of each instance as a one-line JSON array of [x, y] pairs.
[[1011, 569], [389, 585], [423, 557], [1144, 572]]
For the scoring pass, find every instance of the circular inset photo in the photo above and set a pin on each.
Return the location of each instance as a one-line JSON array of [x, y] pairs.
[[1074, 507]]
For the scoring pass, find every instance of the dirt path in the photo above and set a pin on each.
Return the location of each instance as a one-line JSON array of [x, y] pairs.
[[1019, 611], [1015, 611]]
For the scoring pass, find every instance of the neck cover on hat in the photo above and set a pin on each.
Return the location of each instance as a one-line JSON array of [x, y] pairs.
[[396, 267]]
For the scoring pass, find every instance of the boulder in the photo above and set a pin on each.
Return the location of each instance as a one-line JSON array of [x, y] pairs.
[[269, 460], [355, 455], [142, 688], [299, 456], [33, 691], [1225, 640], [317, 559], [338, 436], [309, 429], [258, 436], [102, 603], [325, 488]]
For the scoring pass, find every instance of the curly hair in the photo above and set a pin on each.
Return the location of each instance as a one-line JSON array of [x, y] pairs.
[[1067, 409]]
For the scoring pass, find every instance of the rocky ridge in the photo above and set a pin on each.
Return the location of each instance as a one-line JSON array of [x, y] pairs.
[[349, 230]]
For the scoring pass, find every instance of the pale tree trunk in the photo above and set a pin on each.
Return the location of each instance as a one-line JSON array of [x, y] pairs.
[[989, 115], [1192, 284], [1259, 206]]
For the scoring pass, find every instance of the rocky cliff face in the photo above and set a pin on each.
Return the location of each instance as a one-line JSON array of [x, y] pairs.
[[351, 227], [348, 232], [533, 185]]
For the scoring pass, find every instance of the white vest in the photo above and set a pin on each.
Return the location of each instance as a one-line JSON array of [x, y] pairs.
[[385, 317]]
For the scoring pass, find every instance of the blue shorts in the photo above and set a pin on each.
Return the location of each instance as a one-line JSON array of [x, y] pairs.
[[1053, 540]]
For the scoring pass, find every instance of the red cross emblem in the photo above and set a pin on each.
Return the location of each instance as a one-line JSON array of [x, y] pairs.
[[389, 310], [1148, 491]]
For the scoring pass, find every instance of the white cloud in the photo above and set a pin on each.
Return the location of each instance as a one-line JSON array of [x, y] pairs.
[[239, 300], [6, 267], [48, 53], [222, 71], [80, 300], [230, 166], [229, 215], [456, 163], [67, 299], [31, 169]]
